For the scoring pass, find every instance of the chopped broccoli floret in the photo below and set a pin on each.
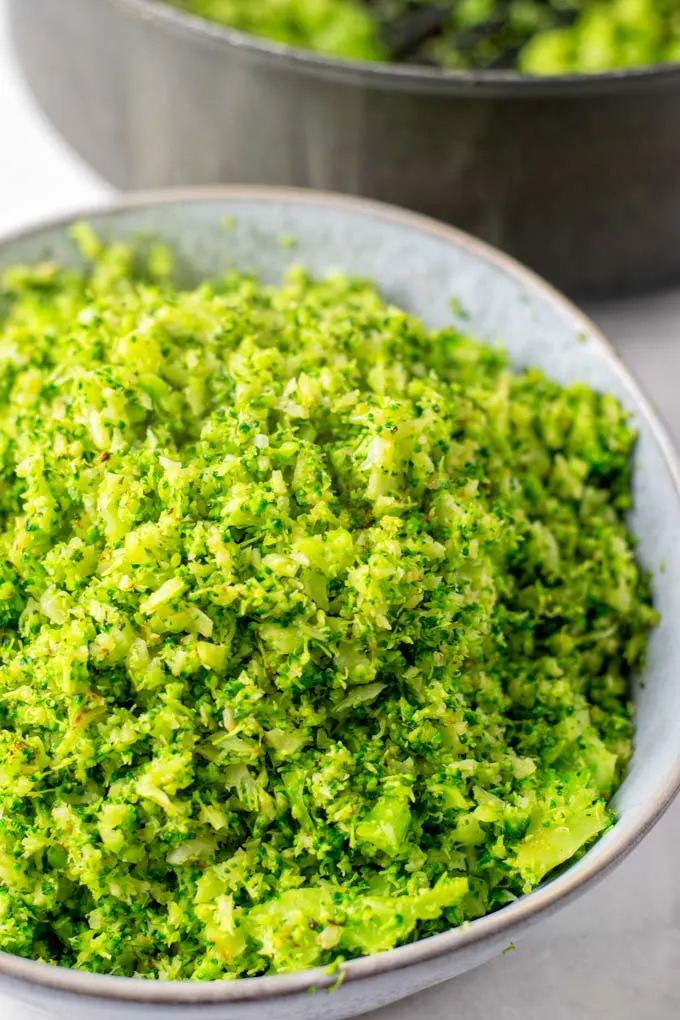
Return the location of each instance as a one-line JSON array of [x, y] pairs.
[[316, 626]]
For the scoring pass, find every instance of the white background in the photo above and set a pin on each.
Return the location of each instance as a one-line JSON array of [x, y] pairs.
[[614, 955]]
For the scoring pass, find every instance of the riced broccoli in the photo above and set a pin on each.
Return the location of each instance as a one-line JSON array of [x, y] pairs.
[[316, 626], [542, 37]]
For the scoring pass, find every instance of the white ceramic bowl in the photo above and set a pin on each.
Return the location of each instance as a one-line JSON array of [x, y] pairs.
[[420, 265]]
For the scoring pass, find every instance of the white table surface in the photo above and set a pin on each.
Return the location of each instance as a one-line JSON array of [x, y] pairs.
[[614, 955]]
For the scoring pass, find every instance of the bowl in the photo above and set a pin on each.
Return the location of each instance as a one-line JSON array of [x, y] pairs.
[[576, 176], [420, 265]]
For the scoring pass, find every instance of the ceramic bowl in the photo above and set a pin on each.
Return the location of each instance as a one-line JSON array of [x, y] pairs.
[[576, 176], [421, 265]]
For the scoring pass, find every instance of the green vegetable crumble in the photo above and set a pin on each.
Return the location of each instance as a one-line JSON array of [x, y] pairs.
[[316, 626], [542, 37]]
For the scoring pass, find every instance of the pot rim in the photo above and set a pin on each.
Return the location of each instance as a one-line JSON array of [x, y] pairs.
[[621, 839], [400, 77]]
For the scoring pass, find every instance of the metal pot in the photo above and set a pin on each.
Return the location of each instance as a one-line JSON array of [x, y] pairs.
[[577, 176]]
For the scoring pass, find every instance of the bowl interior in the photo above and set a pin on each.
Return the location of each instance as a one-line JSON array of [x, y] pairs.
[[423, 267]]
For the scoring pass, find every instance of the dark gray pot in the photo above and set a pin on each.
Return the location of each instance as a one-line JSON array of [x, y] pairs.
[[579, 177]]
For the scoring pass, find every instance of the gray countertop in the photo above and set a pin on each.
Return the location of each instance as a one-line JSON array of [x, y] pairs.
[[614, 955]]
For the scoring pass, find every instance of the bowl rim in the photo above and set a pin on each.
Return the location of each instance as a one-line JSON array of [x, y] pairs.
[[397, 76], [623, 837]]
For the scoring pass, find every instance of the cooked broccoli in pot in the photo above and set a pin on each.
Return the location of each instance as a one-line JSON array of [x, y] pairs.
[[542, 37]]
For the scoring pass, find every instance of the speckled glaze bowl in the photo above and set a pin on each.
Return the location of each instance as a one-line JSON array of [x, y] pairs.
[[420, 265], [576, 176]]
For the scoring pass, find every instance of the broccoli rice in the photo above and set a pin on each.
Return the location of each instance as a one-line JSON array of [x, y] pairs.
[[542, 37], [316, 626]]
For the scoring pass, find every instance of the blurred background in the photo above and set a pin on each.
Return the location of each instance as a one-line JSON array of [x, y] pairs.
[[617, 952]]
